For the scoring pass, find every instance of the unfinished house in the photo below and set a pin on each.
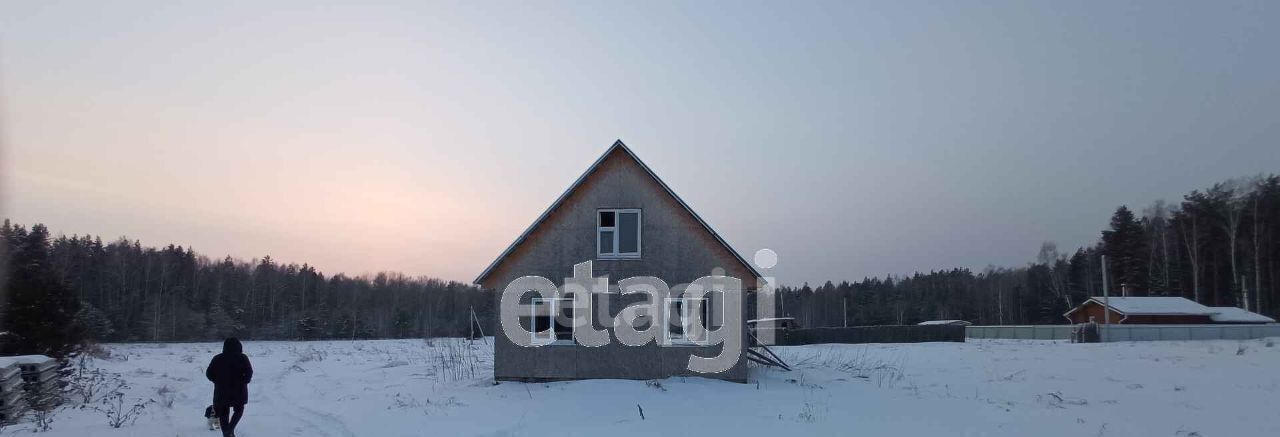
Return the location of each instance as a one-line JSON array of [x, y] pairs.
[[625, 220]]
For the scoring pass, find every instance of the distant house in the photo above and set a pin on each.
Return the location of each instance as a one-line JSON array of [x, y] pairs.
[[628, 222], [1159, 310]]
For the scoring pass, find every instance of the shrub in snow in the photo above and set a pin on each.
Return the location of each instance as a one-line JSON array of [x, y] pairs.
[[807, 414], [90, 385], [166, 396], [307, 355], [42, 418], [403, 401], [456, 360], [1056, 399], [119, 412]]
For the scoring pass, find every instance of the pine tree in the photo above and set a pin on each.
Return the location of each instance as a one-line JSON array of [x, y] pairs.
[[40, 314], [1125, 247]]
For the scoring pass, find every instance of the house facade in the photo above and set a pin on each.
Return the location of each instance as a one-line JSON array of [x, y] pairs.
[[626, 222]]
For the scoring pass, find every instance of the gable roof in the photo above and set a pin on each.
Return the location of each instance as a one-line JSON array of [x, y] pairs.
[[617, 145], [1154, 305]]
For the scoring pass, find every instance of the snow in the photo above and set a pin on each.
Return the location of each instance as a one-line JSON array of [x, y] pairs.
[[1163, 305], [943, 322], [980, 388], [770, 319], [23, 359], [1237, 315], [34, 362]]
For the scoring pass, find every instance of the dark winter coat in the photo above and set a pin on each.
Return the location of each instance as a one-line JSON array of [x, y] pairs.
[[230, 372]]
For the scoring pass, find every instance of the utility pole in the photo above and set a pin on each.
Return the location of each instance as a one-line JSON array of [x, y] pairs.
[[1106, 300], [846, 312]]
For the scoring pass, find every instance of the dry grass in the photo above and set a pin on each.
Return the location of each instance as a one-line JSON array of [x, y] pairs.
[[857, 362]]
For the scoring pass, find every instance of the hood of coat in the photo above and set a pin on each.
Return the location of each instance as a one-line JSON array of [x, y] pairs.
[[232, 346]]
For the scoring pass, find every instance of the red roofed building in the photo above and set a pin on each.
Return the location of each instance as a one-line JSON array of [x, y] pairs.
[[1160, 310]]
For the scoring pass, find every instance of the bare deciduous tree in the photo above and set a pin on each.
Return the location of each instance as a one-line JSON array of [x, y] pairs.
[[1233, 194]]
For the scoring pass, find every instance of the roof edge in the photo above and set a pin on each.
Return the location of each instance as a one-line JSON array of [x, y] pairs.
[[1097, 300], [617, 144], [1086, 302]]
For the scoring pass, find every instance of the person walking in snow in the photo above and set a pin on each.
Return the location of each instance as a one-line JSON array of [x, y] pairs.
[[230, 373]]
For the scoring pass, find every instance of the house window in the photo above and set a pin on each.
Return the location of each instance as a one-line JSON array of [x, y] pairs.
[[618, 233], [688, 320], [551, 320]]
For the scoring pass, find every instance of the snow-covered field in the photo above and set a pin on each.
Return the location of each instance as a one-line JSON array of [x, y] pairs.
[[986, 387]]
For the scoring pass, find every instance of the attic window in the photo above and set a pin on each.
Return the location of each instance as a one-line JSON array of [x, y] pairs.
[[618, 233]]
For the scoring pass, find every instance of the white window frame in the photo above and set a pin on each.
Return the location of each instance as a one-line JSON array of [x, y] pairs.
[[682, 338], [554, 310], [617, 218]]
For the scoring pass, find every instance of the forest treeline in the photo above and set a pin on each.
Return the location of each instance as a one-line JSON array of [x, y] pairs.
[[1217, 246], [124, 291]]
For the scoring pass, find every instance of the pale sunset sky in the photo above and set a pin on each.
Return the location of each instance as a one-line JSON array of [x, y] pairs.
[[852, 138]]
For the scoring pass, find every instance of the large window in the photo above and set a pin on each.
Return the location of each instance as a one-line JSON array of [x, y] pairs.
[[551, 320], [689, 319], [617, 233]]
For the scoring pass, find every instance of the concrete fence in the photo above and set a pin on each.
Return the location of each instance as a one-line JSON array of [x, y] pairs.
[[872, 334], [1021, 332], [1129, 332]]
